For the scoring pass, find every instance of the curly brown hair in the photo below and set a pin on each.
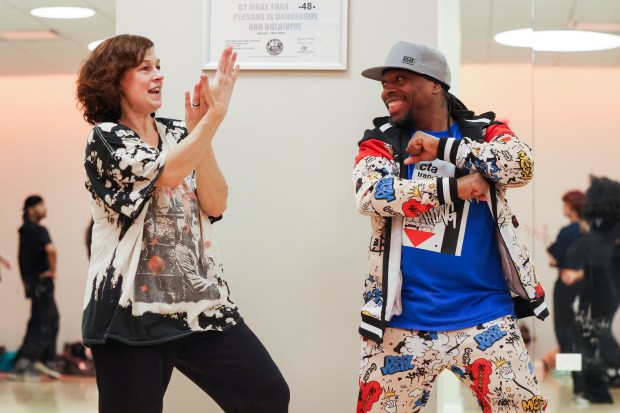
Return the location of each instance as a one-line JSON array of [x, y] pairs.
[[99, 78]]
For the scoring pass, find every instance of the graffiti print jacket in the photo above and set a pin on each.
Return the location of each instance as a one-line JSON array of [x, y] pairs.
[[383, 192]]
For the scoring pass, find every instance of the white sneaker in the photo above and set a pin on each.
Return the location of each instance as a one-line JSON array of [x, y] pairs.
[[46, 369], [581, 401]]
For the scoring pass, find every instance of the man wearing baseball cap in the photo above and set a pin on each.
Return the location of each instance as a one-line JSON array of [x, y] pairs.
[[448, 271]]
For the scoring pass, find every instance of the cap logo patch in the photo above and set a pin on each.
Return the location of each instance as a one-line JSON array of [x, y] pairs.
[[409, 60]]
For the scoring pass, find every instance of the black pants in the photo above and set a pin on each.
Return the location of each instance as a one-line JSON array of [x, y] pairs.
[[42, 332], [564, 315], [233, 367]]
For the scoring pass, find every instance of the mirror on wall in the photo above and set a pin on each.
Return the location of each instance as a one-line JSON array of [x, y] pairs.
[[563, 104], [576, 150]]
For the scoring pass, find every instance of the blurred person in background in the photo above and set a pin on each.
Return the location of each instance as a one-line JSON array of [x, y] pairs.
[[37, 264], [597, 254], [564, 295]]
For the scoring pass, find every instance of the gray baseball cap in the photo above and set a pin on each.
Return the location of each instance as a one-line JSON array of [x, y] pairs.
[[415, 57]]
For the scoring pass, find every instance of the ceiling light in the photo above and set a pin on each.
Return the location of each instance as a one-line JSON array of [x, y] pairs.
[[558, 40], [28, 35], [63, 12], [93, 45]]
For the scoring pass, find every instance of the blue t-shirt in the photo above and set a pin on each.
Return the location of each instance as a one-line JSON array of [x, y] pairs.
[[560, 247], [451, 267]]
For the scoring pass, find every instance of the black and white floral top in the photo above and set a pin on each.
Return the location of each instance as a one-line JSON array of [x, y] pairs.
[[154, 273]]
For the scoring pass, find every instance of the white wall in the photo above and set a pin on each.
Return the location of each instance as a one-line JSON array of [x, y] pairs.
[[293, 245], [41, 151]]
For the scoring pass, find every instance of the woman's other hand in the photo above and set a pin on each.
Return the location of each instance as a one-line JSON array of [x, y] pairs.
[[214, 94]]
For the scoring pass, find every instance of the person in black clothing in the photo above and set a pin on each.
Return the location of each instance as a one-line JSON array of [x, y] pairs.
[[37, 263], [597, 252], [564, 294]]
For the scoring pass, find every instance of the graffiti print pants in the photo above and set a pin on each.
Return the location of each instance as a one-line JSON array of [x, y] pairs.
[[491, 359]]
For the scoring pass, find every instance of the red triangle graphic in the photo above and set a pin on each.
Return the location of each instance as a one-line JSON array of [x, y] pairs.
[[417, 237]]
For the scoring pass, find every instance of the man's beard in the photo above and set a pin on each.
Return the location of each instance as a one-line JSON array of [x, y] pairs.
[[407, 122]]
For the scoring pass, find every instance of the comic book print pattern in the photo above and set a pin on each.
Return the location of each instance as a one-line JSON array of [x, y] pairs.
[[491, 359], [505, 159], [380, 191]]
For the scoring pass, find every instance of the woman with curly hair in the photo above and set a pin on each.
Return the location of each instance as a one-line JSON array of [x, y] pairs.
[[155, 297]]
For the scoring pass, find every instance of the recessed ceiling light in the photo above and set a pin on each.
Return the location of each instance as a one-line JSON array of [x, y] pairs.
[[93, 45], [28, 35], [63, 12], [558, 40]]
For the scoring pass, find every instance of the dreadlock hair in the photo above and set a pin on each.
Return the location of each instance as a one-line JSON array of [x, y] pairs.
[[456, 108]]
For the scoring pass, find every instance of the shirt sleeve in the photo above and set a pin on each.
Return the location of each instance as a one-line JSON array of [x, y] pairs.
[[502, 157], [43, 237], [121, 168], [380, 191]]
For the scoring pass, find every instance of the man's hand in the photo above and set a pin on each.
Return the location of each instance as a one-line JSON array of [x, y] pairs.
[[422, 147], [473, 186]]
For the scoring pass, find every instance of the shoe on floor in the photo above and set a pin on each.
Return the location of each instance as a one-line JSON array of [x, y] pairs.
[[24, 371], [580, 401], [47, 368]]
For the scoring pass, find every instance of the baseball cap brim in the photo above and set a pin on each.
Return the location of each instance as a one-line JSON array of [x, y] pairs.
[[376, 73]]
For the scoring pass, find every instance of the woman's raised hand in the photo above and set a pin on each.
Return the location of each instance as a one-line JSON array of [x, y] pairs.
[[218, 90], [212, 95]]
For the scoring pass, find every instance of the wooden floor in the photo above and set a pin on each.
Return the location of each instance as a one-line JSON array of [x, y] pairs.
[[73, 395]]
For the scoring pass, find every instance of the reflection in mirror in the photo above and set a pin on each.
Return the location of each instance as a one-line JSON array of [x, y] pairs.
[[577, 257], [499, 78]]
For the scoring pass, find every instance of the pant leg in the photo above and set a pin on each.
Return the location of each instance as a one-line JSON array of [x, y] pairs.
[[133, 379], [494, 362], [398, 375], [235, 369], [564, 314], [50, 325], [610, 350], [40, 340], [26, 350]]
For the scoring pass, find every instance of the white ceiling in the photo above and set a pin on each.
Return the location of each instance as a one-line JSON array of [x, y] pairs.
[[481, 19], [63, 55]]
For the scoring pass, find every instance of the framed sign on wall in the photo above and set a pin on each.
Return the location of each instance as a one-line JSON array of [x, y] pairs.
[[277, 34]]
